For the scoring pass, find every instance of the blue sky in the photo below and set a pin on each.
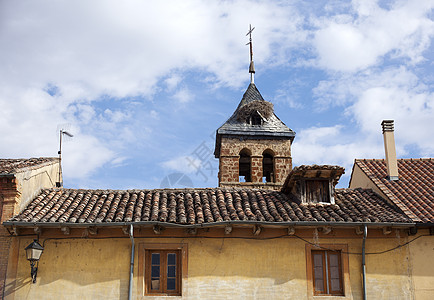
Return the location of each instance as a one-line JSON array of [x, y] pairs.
[[143, 85]]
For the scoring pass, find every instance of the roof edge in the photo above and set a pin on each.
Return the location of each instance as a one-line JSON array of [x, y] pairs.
[[207, 225], [51, 161]]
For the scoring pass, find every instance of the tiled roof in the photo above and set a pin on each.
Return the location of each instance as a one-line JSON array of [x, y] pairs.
[[201, 207], [11, 166], [413, 192]]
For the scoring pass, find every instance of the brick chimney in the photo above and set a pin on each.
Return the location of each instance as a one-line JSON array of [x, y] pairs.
[[389, 147]]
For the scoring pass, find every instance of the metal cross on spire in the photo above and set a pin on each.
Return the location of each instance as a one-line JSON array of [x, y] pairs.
[[252, 65]]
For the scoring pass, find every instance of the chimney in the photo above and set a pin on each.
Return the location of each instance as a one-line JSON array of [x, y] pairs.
[[389, 147]]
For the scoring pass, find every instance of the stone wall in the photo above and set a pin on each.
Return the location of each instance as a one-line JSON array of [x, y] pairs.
[[229, 161], [9, 196]]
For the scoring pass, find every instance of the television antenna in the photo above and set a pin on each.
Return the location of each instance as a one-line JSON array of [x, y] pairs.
[[62, 132]]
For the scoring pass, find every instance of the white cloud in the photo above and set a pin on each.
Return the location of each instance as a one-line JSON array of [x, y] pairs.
[[62, 60], [59, 58], [89, 152], [351, 43], [344, 89], [412, 113], [119, 161], [332, 146], [154, 114], [183, 164], [115, 116], [376, 95], [183, 95], [172, 81]]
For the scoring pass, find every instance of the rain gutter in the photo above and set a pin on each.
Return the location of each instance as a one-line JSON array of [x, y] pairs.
[[130, 286], [206, 225], [365, 234]]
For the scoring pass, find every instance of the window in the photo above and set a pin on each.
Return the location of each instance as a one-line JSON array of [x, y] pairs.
[[327, 272], [245, 166], [317, 191], [162, 274], [162, 268], [268, 166], [255, 119]]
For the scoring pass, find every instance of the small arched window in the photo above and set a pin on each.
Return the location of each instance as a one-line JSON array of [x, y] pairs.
[[245, 166], [268, 166]]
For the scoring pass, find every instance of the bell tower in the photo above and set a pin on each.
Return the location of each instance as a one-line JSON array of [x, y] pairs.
[[253, 146]]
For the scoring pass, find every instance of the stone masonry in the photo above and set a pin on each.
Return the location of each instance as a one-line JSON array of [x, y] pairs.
[[229, 161], [9, 197]]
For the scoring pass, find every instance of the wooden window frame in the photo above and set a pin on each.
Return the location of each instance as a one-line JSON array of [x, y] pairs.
[[163, 265], [325, 255], [145, 249], [344, 271]]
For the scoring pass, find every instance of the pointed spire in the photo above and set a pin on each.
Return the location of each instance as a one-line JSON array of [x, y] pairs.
[[252, 65]]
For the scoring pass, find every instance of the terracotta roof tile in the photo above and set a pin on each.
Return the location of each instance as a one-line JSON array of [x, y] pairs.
[[11, 166], [202, 206], [413, 192]]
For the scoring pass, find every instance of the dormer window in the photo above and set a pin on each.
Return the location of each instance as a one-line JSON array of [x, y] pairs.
[[255, 119], [317, 191], [313, 184]]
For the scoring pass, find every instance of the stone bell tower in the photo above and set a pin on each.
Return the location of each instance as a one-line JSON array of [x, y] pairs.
[[253, 146]]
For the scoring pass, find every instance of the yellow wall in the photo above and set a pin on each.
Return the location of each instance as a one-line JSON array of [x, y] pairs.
[[421, 251], [422, 258], [217, 269], [31, 181], [360, 180]]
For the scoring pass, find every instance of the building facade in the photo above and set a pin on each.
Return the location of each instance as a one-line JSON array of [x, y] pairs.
[[276, 233]]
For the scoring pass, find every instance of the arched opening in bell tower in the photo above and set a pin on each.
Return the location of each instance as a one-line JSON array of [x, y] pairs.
[[268, 174], [245, 166]]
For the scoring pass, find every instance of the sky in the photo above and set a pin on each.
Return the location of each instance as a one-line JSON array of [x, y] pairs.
[[143, 85]]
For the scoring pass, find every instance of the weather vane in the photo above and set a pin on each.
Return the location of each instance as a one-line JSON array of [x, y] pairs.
[[252, 65]]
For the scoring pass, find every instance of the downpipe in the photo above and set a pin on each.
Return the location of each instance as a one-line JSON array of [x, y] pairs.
[[130, 287], [365, 234]]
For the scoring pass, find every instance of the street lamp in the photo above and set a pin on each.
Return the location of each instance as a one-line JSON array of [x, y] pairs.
[[33, 252]]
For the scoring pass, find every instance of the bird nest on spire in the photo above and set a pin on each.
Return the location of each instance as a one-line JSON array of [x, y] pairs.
[[265, 108]]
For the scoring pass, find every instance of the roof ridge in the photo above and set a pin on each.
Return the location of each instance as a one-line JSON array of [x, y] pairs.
[[226, 189], [10, 166], [409, 159]]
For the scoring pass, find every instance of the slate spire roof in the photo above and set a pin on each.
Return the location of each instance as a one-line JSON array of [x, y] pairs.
[[251, 94], [271, 127]]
